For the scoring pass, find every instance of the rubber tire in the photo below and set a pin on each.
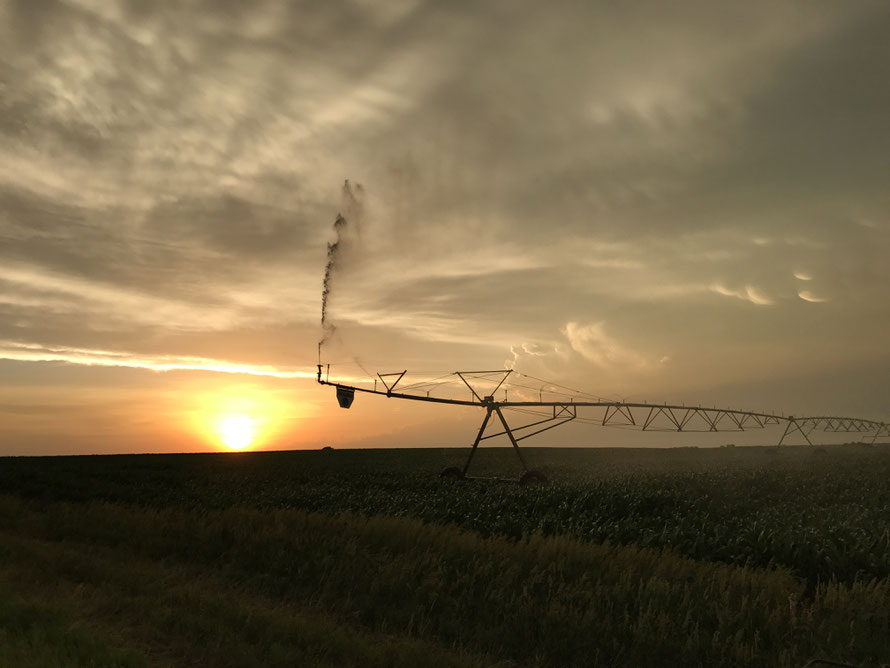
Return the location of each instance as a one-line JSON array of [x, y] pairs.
[[532, 478], [452, 473]]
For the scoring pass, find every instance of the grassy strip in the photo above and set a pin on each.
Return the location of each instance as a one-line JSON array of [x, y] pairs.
[[35, 633], [169, 614], [555, 599]]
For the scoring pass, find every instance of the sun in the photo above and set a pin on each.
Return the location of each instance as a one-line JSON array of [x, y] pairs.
[[236, 431], [239, 416]]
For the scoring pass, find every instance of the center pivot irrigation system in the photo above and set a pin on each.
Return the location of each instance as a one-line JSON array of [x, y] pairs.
[[555, 405]]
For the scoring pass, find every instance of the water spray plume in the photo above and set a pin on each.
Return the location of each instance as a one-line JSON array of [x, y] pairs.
[[354, 208], [333, 248]]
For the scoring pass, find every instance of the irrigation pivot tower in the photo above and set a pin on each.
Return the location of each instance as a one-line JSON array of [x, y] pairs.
[[564, 407]]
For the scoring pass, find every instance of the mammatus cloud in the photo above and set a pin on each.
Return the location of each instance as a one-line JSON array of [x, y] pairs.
[[749, 293], [808, 296]]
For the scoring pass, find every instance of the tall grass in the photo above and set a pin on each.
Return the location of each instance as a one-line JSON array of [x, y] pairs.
[[37, 633], [81, 604], [539, 600]]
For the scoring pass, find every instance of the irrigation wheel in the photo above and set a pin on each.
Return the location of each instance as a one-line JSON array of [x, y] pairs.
[[452, 473], [532, 478]]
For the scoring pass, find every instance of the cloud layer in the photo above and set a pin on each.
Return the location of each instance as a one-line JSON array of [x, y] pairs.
[[652, 196]]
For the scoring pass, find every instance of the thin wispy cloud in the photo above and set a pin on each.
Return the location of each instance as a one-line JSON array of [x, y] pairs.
[[23, 352]]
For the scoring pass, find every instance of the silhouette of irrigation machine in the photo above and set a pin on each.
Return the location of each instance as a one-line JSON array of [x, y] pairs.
[[549, 405]]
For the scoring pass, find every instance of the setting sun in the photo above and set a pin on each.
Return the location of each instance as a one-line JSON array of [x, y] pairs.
[[236, 431], [242, 415]]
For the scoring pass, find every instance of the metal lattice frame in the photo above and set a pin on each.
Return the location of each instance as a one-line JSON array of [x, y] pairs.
[[643, 416]]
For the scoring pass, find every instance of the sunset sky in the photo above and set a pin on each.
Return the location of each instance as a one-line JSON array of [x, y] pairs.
[[682, 201]]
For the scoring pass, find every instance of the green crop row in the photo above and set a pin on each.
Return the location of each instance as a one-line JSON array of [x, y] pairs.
[[822, 517]]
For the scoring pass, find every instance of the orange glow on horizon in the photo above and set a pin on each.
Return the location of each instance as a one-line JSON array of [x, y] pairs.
[[246, 416]]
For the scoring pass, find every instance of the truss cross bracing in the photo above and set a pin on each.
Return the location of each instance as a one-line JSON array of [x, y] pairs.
[[563, 405]]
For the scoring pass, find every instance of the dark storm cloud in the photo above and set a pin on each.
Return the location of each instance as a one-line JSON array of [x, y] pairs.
[[190, 250], [821, 114], [231, 226]]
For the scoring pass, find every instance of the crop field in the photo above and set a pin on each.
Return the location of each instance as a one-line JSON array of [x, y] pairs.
[[627, 557]]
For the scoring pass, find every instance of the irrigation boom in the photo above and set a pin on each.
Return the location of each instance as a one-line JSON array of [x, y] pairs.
[[557, 412]]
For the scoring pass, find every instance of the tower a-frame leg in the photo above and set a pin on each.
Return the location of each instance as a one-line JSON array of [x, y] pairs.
[[478, 438], [507, 431], [787, 429], [528, 476], [511, 437], [792, 426]]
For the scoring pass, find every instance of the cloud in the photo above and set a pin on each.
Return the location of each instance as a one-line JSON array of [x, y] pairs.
[[749, 293], [170, 172], [541, 359], [11, 350], [808, 296], [594, 345]]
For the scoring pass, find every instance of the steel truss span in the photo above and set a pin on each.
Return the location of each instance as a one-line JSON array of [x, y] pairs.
[[555, 405]]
